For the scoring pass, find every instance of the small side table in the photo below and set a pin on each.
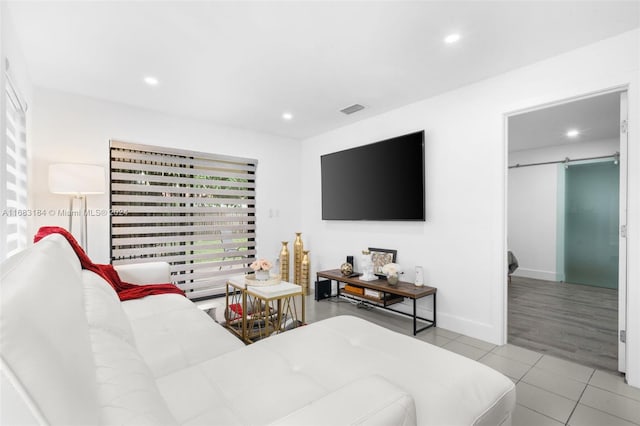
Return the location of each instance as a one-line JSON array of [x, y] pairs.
[[256, 312]]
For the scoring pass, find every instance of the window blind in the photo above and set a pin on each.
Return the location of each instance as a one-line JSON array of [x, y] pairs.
[[194, 210], [14, 174]]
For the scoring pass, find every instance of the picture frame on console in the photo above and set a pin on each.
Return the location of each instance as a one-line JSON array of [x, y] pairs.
[[381, 257]]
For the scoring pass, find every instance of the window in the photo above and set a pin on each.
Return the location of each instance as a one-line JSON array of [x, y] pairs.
[[194, 210], [14, 173]]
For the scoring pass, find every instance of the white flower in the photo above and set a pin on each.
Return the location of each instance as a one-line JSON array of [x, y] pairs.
[[391, 269]]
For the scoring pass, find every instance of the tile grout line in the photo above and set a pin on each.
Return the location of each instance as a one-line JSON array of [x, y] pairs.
[[554, 394], [527, 372], [610, 390], [573, 410], [512, 359], [542, 414], [530, 368], [605, 412], [581, 395], [609, 414]]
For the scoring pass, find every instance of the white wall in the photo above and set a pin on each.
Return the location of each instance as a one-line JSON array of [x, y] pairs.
[[71, 128], [532, 220], [10, 48], [533, 207], [462, 244]]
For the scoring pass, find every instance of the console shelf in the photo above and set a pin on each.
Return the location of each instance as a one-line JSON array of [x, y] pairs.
[[386, 301], [392, 294]]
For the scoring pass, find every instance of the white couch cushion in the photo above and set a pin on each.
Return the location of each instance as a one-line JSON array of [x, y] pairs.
[[171, 333], [103, 307], [127, 390], [371, 401], [44, 333], [17, 406], [144, 273]]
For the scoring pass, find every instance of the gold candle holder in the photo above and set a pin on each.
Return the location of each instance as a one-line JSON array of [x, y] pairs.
[[297, 257], [305, 267], [284, 261]]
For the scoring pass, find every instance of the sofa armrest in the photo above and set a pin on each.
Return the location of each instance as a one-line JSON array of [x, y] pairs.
[[371, 401], [145, 273]]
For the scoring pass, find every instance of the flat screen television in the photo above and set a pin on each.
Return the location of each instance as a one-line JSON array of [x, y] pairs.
[[379, 181]]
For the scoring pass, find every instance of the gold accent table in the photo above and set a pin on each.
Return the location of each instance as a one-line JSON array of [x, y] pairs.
[[256, 312]]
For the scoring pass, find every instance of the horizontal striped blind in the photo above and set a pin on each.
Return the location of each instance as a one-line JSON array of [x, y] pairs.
[[191, 209], [14, 174]]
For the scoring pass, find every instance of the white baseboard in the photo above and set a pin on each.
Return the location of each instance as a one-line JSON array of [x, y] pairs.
[[424, 308], [475, 329], [536, 274]]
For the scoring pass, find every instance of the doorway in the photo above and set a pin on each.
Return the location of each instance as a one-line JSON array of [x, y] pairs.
[[566, 201]]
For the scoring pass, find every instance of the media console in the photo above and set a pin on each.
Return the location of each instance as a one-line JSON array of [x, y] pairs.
[[380, 294]]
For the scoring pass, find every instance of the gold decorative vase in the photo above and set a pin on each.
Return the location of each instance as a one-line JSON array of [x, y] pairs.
[[297, 258], [284, 261], [304, 272]]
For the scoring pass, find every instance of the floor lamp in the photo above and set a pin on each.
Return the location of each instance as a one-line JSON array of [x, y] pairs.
[[77, 181]]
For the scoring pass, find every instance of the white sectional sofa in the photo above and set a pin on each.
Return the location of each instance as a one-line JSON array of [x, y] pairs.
[[73, 354]]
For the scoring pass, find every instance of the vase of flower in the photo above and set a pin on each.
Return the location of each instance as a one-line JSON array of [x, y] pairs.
[[392, 271], [261, 267], [262, 275]]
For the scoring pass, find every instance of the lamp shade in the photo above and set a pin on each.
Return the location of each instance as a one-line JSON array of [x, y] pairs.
[[70, 178]]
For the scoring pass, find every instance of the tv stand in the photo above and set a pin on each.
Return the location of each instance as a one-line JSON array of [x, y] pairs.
[[380, 294]]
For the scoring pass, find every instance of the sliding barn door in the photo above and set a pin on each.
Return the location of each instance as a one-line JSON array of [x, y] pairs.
[[591, 224]]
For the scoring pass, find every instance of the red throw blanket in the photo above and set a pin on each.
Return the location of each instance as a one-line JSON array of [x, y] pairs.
[[126, 291]]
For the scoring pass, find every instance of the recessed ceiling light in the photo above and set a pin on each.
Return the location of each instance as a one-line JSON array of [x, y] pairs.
[[287, 116], [151, 81], [452, 38], [573, 133]]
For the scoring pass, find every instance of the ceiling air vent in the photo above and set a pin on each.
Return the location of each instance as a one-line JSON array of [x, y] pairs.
[[351, 109]]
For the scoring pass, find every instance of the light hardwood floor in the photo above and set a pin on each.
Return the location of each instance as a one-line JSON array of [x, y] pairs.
[[570, 321]]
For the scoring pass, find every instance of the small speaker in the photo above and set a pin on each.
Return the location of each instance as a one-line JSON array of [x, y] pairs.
[[350, 260], [323, 289]]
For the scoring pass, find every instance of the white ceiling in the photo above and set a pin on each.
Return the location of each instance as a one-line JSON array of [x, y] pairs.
[[244, 63], [596, 118]]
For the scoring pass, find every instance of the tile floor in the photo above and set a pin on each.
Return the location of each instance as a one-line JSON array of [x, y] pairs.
[[549, 390]]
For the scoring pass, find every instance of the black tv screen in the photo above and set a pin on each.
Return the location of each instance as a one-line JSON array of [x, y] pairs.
[[379, 181]]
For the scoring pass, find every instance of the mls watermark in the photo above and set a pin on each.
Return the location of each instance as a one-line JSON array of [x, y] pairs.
[[62, 212]]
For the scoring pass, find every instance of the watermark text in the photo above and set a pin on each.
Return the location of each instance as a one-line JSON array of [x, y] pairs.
[[62, 212]]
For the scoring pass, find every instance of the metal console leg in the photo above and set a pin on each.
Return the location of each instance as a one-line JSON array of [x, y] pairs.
[[434, 309], [415, 322]]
